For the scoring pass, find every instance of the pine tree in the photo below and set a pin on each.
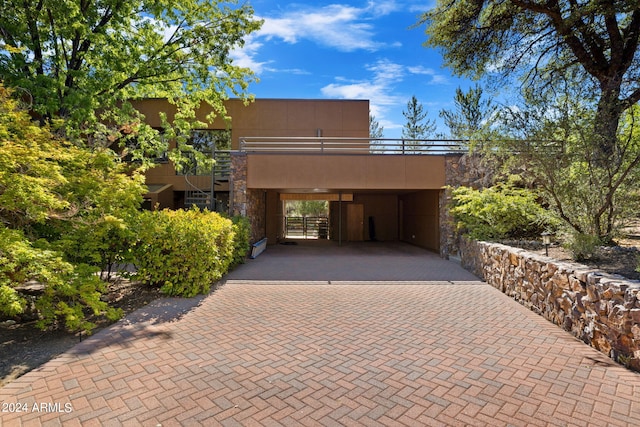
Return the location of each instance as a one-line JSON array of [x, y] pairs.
[[417, 126]]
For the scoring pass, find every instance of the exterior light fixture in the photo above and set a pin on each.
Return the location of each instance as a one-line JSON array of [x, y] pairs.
[[546, 241]]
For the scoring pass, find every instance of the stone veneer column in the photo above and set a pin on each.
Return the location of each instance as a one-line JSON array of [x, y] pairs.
[[238, 184], [246, 202]]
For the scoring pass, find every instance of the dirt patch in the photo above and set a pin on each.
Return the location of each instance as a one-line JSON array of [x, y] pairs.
[[622, 261], [24, 347]]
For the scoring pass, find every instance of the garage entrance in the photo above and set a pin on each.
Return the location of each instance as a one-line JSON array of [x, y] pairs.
[[354, 216]]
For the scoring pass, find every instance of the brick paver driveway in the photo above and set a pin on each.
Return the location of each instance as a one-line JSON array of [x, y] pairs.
[[334, 351]]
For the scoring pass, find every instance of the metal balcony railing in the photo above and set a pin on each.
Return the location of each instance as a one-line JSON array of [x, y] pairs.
[[339, 145]]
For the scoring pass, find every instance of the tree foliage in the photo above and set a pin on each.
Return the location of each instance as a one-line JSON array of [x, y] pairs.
[[53, 192], [500, 212], [83, 60], [551, 144], [575, 136], [596, 41], [375, 129], [471, 115], [307, 208], [418, 126]]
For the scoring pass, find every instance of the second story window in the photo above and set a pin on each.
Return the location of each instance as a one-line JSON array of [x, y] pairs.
[[206, 142]]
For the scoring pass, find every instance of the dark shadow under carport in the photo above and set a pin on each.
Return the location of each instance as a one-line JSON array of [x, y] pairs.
[[362, 261]]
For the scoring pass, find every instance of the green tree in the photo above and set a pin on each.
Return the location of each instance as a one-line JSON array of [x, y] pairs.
[[499, 212], [375, 129], [471, 115], [308, 208], [549, 142], [83, 60], [541, 41], [49, 188], [417, 125]]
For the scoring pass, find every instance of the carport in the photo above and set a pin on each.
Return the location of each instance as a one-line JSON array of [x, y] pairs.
[[390, 197]]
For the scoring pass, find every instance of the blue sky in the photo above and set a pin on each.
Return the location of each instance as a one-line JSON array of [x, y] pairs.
[[349, 50]]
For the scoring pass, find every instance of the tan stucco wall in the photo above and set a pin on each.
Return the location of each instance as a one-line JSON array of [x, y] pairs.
[[274, 217], [277, 117], [335, 172], [383, 208], [264, 117]]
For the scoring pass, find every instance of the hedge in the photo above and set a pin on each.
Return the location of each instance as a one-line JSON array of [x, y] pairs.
[[185, 251]]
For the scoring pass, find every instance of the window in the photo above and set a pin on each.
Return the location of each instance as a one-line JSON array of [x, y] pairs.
[[205, 141]]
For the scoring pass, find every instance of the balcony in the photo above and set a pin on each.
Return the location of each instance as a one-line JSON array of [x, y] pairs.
[[332, 164], [341, 145]]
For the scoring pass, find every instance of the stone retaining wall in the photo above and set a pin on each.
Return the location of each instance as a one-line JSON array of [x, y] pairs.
[[600, 309]]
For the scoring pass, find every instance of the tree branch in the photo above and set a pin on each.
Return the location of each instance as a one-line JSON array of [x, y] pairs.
[[32, 23]]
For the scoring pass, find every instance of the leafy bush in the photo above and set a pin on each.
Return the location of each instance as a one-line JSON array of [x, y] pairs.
[[16, 258], [499, 212], [242, 236], [184, 252], [583, 246], [61, 206], [104, 242], [69, 292], [72, 298], [107, 198]]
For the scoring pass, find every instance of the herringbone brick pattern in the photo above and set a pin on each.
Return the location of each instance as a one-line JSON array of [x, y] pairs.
[[293, 354], [404, 347]]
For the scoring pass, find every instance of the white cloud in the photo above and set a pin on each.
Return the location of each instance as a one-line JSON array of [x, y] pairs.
[[381, 88], [337, 26], [383, 7], [421, 6], [340, 26], [436, 78], [245, 56], [378, 89]]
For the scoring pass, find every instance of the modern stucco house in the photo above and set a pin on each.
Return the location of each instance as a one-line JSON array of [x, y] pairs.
[[292, 149]]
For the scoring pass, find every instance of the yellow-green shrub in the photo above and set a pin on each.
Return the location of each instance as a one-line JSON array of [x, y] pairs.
[[184, 252], [242, 235], [500, 212]]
